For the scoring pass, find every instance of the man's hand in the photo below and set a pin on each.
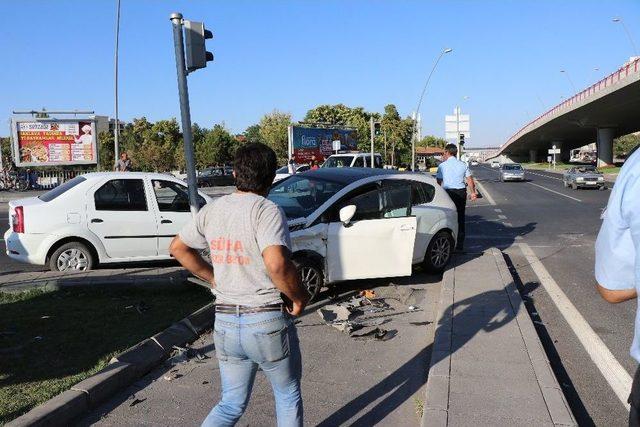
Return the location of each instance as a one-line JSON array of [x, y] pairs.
[[284, 276], [190, 259], [473, 196]]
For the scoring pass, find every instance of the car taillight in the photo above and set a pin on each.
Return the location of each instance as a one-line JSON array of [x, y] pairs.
[[18, 220]]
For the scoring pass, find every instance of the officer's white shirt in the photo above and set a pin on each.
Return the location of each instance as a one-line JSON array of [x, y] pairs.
[[618, 244]]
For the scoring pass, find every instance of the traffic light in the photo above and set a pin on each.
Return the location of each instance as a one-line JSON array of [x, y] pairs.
[[462, 139], [376, 129], [196, 51]]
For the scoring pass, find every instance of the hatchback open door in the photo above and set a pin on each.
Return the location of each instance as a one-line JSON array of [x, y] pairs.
[[370, 248]]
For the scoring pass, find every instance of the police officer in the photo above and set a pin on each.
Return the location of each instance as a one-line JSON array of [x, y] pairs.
[[618, 257], [454, 176]]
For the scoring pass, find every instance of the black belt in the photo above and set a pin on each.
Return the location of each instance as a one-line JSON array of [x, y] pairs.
[[456, 190], [244, 309]]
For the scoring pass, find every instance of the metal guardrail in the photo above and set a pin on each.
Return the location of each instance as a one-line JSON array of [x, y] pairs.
[[621, 74]]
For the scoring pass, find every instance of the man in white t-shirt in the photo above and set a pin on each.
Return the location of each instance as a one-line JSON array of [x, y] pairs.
[[248, 237], [618, 257]]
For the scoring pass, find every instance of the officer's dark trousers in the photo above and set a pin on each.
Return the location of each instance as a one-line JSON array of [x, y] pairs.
[[459, 198]]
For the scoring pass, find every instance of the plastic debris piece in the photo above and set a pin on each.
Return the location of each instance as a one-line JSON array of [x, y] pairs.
[[413, 308], [334, 313], [136, 401], [368, 293]]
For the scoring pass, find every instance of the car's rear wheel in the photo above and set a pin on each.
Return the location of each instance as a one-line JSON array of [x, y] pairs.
[[72, 256], [439, 252], [311, 275]]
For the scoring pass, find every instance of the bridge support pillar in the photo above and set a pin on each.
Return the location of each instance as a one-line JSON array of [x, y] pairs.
[[533, 156], [605, 146]]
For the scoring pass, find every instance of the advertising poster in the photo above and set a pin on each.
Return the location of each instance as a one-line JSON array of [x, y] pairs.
[[52, 143], [308, 142]]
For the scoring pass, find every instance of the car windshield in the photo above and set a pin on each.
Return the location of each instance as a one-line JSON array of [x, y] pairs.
[[587, 169], [338, 162], [61, 189], [299, 196], [512, 167]]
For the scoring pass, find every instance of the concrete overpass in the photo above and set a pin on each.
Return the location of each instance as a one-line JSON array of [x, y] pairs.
[[605, 110]]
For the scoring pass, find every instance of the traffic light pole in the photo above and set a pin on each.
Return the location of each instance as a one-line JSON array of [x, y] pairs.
[[183, 90]]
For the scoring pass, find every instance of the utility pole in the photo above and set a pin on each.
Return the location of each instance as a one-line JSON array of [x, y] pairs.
[[414, 116], [371, 126], [385, 145], [185, 114], [116, 130]]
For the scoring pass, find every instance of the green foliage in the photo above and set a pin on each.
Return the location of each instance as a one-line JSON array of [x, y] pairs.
[[217, 147], [622, 146], [5, 148], [398, 132], [252, 134], [274, 133], [432, 141]]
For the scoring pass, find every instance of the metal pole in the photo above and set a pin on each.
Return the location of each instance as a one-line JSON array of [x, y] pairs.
[[626, 30], [371, 126], [116, 130], [458, 129], [414, 116], [183, 90], [385, 145], [413, 142]]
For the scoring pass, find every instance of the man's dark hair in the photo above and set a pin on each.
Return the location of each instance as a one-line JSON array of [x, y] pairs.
[[451, 149], [255, 167]]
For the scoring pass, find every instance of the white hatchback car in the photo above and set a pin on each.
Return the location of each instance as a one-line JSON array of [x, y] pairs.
[[101, 217], [362, 223]]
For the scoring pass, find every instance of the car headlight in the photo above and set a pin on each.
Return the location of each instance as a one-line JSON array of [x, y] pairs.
[[600, 178], [579, 178]]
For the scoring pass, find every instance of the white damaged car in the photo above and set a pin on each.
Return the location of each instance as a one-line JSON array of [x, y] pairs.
[[360, 223]]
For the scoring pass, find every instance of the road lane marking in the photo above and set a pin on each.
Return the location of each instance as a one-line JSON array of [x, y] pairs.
[[507, 224], [485, 193], [555, 192], [498, 210], [612, 371], [502, 216], [544, 176]]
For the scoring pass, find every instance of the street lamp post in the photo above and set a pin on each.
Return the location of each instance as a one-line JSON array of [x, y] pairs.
[[626, 30], [566, 73], [413, 135], [116, 130]]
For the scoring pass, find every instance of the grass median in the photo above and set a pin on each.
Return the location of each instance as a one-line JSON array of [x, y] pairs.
[[49, 341]]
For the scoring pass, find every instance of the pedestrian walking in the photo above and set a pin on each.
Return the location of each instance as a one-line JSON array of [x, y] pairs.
[[123, 164], [314, 164], [256, 286], [617, 266], [455, 177]]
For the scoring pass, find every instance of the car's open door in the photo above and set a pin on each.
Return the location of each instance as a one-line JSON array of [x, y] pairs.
[[370, 248]]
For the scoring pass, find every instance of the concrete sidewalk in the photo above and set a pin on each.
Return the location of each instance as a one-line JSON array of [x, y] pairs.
[[488, 366]]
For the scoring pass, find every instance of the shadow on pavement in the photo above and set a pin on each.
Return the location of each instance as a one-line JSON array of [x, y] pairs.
[[400, 385]]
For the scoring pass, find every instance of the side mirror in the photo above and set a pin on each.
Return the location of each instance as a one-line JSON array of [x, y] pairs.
[[346, 214]]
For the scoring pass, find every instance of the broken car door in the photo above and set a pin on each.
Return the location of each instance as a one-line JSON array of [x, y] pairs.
[[379, 240]]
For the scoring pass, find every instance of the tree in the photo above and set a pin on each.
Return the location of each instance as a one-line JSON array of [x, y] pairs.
[[217, 147], [5, 148], [106, 150], [274, 132], [341, 115], [622, 146], [252, 133], [432, 141], [398, 133]]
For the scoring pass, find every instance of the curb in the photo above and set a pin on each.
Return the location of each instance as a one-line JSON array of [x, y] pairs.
[[436, 402], [552, 394], [436, 407], [59, 283], [121, 371]]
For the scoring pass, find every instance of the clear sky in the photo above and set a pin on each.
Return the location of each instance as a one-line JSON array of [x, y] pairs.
[[294, 55]]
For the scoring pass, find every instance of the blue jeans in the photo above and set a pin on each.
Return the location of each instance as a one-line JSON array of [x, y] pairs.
[[245, 342]]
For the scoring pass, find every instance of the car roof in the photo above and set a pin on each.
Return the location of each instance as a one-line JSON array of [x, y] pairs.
[[140, 175], [349, 175]]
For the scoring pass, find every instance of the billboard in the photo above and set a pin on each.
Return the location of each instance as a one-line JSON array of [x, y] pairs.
[[54, 142], [306, 142]]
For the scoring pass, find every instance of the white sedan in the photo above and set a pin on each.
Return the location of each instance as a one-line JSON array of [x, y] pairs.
[[283, 172], [360, 223], [102, 217]]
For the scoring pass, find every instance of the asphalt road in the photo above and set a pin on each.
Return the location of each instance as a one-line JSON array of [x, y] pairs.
[[560, 227]]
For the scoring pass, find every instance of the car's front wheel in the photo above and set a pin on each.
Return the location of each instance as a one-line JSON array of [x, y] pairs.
[[439, 252], [311, 275], [73, 256]]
